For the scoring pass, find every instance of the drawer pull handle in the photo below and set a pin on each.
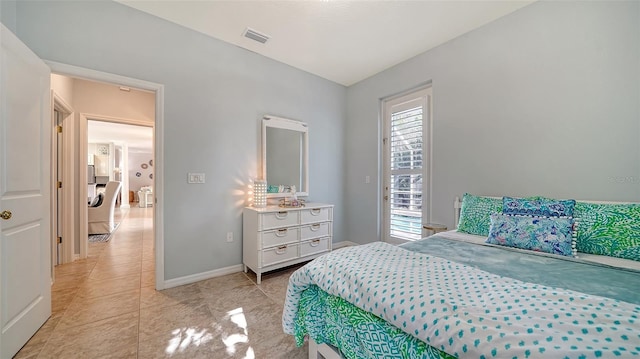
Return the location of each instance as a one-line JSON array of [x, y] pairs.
[[315, 227], [282, 214], [315, 243], [315, 211], [282, 232], [281, 250]]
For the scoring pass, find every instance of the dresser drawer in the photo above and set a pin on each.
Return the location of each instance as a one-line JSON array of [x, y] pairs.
[[315, 230], [279, 236], [312, 215], [278, 219], [314, 246], [278, 254]]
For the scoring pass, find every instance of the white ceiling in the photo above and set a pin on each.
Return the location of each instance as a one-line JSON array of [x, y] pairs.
[[138, 138], [342, 41]]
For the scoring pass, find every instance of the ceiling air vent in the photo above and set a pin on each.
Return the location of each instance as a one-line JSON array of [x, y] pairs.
[[254, 35]]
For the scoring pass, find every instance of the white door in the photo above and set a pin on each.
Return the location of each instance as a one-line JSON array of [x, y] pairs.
[[25, 160], [406, 161]]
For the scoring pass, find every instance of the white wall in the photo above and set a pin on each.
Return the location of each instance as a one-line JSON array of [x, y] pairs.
[[107, 100], [63, 87], [541, 102], [136, 160], [215, 96]]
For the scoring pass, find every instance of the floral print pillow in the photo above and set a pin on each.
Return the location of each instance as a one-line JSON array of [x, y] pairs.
[[538, 206], [543, 234], [475, 214]]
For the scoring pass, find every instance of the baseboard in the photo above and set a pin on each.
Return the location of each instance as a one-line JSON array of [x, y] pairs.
[[338, 245], [170, 283], [227, 270]]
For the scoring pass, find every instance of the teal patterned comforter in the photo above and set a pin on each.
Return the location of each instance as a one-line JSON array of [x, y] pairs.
[[358, 334], [459, 309]]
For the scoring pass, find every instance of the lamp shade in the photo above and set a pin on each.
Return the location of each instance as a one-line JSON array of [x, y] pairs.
[[259, 193]]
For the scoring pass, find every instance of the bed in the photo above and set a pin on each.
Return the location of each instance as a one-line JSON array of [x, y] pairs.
[[453, 295]]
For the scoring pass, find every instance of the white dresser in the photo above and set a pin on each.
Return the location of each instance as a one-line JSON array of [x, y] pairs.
[[276, 237]]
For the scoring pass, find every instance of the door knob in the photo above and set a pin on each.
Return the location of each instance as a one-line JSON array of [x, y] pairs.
[[5, 214]]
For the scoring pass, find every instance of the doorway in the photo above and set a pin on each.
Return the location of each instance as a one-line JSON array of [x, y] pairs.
[[118, 83], [119, 151], [407, 165]]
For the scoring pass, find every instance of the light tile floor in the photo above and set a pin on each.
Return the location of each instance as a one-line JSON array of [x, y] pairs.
[[106, 306]]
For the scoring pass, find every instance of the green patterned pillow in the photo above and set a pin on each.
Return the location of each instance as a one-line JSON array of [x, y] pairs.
[[609, 229], [475, 214]]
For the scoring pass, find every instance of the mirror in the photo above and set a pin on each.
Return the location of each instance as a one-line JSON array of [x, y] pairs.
[[285, 156]]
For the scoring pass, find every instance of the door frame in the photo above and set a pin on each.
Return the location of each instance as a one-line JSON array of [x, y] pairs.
[[68, 201], [158, 161]]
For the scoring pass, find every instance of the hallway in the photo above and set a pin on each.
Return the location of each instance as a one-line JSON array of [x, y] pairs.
[[106, 307], [94, 296]]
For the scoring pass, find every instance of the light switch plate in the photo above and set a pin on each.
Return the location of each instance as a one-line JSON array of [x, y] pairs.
[[195, 178]]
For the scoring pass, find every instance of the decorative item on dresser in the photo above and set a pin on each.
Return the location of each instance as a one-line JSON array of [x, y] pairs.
[[276, 237], [260, 193]]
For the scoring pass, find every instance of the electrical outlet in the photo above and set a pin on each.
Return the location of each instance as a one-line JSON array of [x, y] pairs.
[[367, 179], [229, 236]]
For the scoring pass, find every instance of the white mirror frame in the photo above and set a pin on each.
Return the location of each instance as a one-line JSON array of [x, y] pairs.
[[287, 124]]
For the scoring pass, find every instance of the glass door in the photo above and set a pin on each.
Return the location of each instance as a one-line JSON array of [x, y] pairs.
[[406, 161]]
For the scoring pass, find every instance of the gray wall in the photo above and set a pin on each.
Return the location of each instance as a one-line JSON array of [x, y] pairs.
[[8, 14], [215, 96], [544, 101]]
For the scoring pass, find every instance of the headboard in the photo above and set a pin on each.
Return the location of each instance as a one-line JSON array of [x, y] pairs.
[[457, 205]]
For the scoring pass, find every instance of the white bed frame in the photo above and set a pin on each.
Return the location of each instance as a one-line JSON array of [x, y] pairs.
[[324, 351]]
